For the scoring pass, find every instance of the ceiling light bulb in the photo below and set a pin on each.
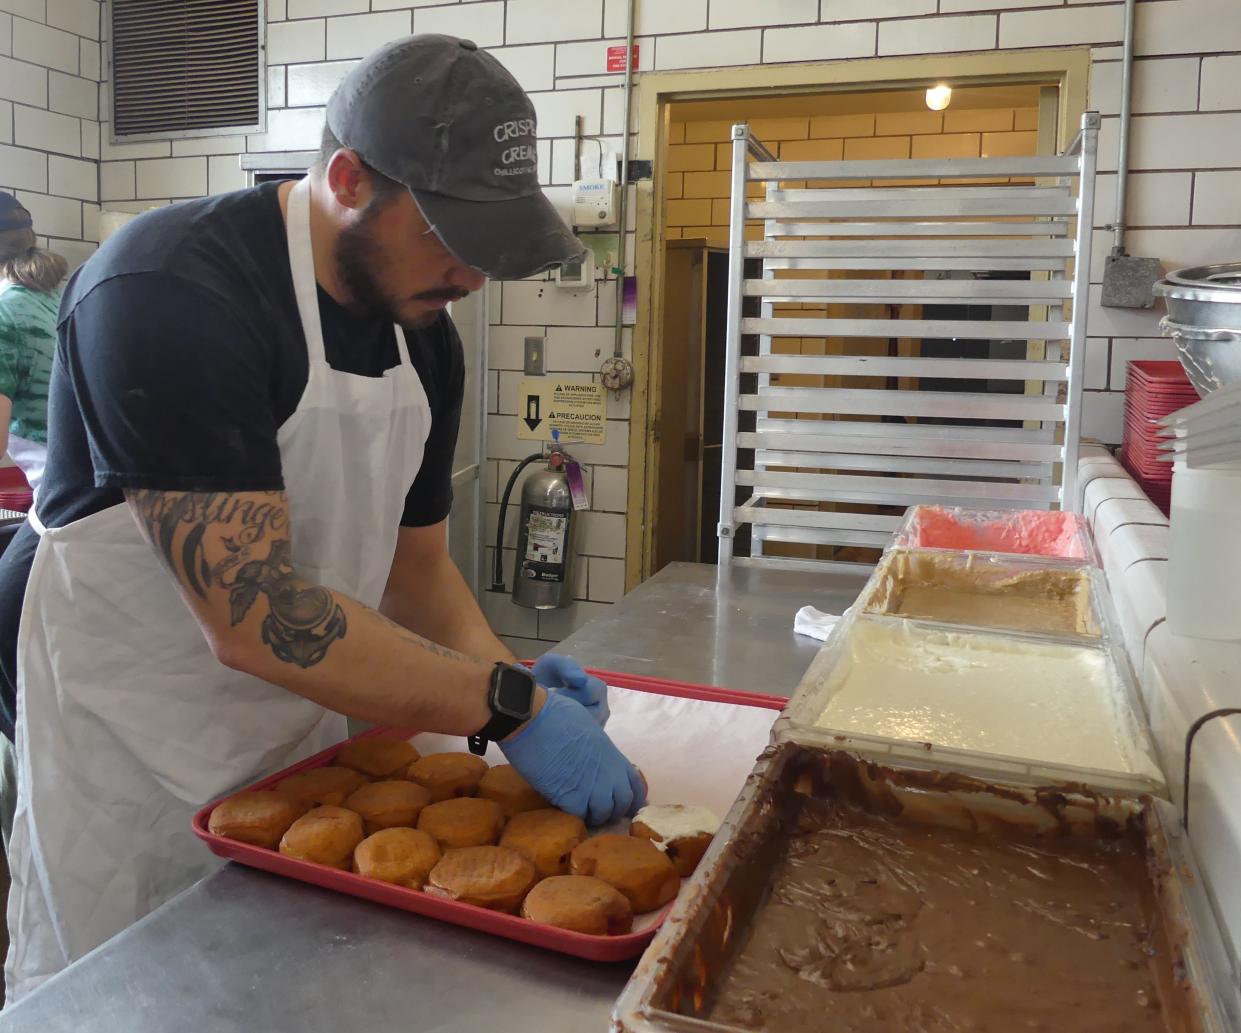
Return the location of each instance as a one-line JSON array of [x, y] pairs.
[[938, 97]]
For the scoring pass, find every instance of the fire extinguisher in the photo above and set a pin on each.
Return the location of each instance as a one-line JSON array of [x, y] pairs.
[[542, 579]]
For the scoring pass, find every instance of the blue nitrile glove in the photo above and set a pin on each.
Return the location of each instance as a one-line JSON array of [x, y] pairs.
[[566, 676], [571, 761]]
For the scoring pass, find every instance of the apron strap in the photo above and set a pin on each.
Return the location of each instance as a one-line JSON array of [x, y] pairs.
[[302, 266], [402, 345]]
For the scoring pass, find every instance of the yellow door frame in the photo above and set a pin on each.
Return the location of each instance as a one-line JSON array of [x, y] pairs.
[[1068, 69]]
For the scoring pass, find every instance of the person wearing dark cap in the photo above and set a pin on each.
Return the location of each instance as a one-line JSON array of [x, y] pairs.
[[30, 278], [241, 538]]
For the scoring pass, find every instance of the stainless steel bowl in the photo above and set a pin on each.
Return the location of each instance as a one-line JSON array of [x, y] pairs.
[[1204, 319]]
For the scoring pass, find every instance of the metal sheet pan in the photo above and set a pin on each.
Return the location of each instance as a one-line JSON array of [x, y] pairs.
[[799, 722], [671, 990], [1013, 593], [1055, 535]]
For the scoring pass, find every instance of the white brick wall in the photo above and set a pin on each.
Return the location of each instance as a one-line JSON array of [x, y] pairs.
[[937, 35], [736, 14], [171, 177], [851, 10], [481, 22], [310, 85], [819, 42], [532, 66], [656, 18], [1217, 198], [709, 50], [1185, 192], [357, 35], [49, 116], [296, 41], [551, 21]]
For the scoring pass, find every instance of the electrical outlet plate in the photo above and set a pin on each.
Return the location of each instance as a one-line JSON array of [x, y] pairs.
[[535, 365]]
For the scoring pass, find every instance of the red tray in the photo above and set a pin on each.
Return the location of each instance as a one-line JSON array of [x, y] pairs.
[[1159, 369], [582, 945]]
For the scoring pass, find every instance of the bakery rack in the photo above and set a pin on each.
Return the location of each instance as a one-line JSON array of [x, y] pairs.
[[812, 458]]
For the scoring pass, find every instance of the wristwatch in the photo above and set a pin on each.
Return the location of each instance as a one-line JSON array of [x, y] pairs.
[[511, 699]]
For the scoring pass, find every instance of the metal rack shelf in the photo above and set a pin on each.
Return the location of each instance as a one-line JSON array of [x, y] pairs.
[[849, 421]]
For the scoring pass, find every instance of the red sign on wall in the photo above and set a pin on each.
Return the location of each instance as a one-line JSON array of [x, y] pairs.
[[616, 58]]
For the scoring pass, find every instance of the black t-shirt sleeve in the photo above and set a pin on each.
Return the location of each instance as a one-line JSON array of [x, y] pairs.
[[443, 375], [173, 387]]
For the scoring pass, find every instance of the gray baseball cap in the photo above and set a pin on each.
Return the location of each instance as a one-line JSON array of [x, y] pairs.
[[449, 122]]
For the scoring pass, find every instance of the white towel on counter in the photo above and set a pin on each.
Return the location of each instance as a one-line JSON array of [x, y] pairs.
[[814, 623]]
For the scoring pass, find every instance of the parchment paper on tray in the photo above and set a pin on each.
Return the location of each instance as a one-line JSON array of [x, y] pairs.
[[690, 751]]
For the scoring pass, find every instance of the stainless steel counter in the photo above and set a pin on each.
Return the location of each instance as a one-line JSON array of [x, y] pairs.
[[733, 628], [243, 950]]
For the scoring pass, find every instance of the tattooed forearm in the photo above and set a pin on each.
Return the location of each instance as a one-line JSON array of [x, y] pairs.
[[427, 644], [164, 514], [251, 557], [303, 620]]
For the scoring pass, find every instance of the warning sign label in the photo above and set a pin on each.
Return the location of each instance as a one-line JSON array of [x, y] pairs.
[[576, 408]]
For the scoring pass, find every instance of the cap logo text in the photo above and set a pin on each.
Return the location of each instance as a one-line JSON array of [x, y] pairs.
[[514, 128]]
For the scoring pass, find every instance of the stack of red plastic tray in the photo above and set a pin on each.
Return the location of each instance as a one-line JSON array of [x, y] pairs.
[[1152, 391], [15, 493]]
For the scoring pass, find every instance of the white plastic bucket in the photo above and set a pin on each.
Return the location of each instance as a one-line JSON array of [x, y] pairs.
[[1204, 564]]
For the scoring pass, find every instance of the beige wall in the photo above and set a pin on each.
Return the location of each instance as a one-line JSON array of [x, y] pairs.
[[699, 156]]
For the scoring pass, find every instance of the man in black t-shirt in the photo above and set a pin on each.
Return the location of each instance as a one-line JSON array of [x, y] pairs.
[[241, 536]]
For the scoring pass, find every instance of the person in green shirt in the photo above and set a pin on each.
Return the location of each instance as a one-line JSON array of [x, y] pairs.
[[30, 278]]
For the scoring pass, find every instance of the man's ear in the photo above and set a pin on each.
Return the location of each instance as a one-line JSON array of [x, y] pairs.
[[345, 178]]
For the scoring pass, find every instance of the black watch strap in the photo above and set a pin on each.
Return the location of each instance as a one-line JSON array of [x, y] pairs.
[[498, 728], [505, 720]]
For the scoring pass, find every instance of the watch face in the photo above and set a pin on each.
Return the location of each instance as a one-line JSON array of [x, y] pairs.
[[514, 694]]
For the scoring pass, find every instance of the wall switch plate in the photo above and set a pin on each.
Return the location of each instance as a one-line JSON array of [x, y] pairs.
[[534, 361]]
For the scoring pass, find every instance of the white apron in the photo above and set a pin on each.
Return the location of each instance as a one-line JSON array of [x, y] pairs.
[[126, 722]]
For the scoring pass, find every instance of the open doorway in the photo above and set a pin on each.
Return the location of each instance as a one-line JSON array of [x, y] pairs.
[[987, 120]]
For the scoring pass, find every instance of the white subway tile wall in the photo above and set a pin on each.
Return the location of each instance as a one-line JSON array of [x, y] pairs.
[[224, 173], [172, 177], [116, 181], [289, 129], [356, 35], [1185, 191], [533, 66], [741, 14], [46, 130], [310, 85], [22, 82], [73, 95], [296, 41], [938, 35], [69, 177], [851, 10], [49, 117], [709, 49], [653, 19], [90, 58], [325, 8], [1217, 198], [44, 45], [819, 42], [481, 22]]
